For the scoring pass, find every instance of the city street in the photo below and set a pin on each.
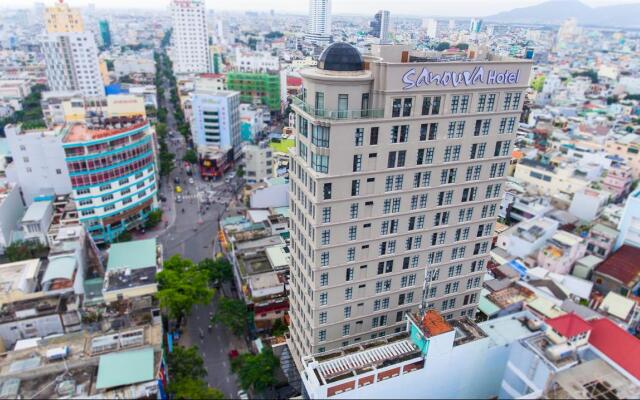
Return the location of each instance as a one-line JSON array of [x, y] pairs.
[[192, 234]]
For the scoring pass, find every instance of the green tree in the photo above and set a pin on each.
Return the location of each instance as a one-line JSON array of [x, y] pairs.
[[24, 250], [187, 373], [161, 130], [193, 389], [233, 314], [219, 270], [181, 286], [279, 328], [462, 46], [256, 372], [240, 171], [442, 46], [162, 114], [190, 156], [153, 219], [125, 236]]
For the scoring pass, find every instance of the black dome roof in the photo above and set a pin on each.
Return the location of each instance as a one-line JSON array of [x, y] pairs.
[[341, 57]]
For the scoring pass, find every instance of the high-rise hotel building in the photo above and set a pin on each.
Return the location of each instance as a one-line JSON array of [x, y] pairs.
[[396, 180], [70, 53], [190, 53], [319, 24]]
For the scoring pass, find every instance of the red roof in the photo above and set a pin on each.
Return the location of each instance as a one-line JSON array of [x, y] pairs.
[[294, 81], [618, 345], [622, 265], [568, 325]]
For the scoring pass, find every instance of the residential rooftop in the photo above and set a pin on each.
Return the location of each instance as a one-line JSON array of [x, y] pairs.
[[83, 133]]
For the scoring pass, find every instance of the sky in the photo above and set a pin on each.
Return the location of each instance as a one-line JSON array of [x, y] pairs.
[[462, 8]]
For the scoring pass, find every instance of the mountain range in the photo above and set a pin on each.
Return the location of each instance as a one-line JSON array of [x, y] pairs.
[[557, 11]]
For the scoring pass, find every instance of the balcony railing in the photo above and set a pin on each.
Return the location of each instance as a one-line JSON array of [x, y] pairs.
[[322, 113]]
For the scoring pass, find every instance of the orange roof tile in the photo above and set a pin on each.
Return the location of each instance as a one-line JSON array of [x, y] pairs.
[[434, 324]]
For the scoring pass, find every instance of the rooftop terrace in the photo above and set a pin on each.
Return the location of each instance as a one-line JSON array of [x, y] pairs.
[[83, 133]]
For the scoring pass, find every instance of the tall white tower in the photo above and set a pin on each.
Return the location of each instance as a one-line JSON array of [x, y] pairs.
[[190, 40], [70, 53], [319, 29]]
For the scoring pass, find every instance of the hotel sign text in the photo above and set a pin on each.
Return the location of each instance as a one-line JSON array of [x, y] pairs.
[[414, 79]]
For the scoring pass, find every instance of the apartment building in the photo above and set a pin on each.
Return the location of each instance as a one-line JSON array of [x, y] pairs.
[[319, 24], [627, 147], [190, 39], [395, 184], [70, 52], [216, 120]]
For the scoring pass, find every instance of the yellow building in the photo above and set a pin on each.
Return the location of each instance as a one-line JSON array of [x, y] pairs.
[[61, 19], [114, 106]]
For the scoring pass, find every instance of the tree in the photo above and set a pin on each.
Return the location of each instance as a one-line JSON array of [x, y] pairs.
[[181, 286], [240, 171], [153, 219], [125, 236], [24, 250], [462, 46], [190, 156], [185, 362], [442, 46], [279, 328], [193, 389], [187, 373], [219, 270], [233, 314], [256, 372]]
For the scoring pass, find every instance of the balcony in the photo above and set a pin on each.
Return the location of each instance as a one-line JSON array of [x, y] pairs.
[[321, 113]]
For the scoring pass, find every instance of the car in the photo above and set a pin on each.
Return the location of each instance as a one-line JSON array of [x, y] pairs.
[[191, 181], [179, 199], [242, 395], [176, 180], [162, 198], [178, 189]]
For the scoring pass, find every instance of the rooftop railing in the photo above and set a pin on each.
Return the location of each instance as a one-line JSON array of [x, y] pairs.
[[322, 113]]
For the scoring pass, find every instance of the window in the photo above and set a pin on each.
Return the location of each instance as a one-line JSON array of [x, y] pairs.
[[399, 134], [320, 102], [322, 335], [325, 237], [431, 105], [428, 131], [355, 187], [455, 102], [507, 101], [515, 103], [347, 312], [324, 298], [359, 137], [320, 135], [320, 163], [398, 182], [455, 130], [343, 105], [373, 136], [324, 279], [406, 107], [448, 176], [324, 258], [353, 211], [357, 163], [323, 317], [352, 233], [425, 156], [326, 215], [482, 101], [452, 153], [351, 254], [491, 100], [482, 127], [348, 293], [349, 274], [396, 107], [327, 194]]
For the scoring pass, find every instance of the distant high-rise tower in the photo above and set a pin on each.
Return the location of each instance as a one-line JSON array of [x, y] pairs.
[[105, 33], [319, 29], [475, 25], [380, 26], [431, 26], [191, 43], [70, 53]]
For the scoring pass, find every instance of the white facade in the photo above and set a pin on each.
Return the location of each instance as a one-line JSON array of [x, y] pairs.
[[431, 26], [216, 119], [133, 65], [258, 162], [72, 63], [11, 209], [39, 165], [527, 237], [629, 226], [319, 27], [190, 39], [587, 204], [256, 62]]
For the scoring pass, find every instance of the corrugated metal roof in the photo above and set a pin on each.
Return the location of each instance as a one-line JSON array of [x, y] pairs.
[[133, 255], [125, 368]]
